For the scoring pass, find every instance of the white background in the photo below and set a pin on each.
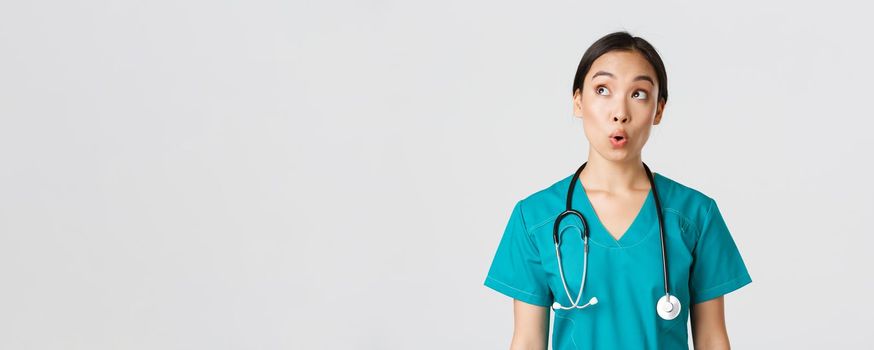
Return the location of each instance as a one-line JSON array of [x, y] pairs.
[[337, 174]]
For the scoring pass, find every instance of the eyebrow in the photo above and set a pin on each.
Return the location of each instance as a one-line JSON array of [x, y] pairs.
[[639, 77]]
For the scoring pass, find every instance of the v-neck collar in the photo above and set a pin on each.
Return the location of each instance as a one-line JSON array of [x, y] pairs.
[[599, 234]]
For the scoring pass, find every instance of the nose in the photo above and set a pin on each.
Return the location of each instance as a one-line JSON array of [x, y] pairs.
[[621, 113]]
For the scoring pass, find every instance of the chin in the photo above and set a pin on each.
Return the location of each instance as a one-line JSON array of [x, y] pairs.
[[617, 155]]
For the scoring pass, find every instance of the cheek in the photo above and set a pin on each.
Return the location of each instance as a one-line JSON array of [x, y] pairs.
[[593, 105], [594, 113], [594, 126], [642, 137], [644, 109]]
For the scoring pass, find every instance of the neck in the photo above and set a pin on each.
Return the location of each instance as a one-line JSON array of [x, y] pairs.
[[614, 176]]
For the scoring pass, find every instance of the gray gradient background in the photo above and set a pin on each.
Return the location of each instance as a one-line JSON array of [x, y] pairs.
[[337, 175]]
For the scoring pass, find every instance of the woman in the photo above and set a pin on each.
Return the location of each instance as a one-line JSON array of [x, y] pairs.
[[645, 273]]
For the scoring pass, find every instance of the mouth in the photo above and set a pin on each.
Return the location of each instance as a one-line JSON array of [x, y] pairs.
[[618, 138]]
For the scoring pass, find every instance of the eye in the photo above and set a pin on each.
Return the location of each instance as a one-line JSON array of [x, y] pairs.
[[602, 88], [639, 92]]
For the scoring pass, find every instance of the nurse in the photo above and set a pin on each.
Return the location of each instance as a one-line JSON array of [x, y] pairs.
[[619, 92]]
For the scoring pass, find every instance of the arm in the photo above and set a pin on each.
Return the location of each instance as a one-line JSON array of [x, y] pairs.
[[708, 325], [530, 326]]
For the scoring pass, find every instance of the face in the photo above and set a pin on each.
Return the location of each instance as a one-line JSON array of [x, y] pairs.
[[619, 97]]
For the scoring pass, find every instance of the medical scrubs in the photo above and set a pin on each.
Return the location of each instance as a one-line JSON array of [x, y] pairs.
[[626, 274]]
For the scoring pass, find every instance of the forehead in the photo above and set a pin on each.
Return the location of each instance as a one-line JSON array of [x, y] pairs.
[[623, 64]]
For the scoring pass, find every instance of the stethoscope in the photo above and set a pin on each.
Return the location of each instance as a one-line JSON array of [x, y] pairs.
[[668, 306]]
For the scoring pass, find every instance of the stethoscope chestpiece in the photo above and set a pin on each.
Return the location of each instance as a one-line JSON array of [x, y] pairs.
[[668, 307]]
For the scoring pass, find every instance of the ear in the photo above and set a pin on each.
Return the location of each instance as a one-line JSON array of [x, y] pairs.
[[660, 108], [578, 103]]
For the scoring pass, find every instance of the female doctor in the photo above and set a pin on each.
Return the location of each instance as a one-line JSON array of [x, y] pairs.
[[624, 256]]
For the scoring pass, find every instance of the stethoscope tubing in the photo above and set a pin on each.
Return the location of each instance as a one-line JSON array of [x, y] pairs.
[[585, 236]]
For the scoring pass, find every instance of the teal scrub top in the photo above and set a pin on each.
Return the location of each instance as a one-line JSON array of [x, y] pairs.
[[625, 275]]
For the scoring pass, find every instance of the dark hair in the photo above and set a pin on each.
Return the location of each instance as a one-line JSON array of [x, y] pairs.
[[624, 42]]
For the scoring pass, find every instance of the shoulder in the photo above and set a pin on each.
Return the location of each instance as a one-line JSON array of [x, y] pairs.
[[678, 195], [544, 203], [691, 205]]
